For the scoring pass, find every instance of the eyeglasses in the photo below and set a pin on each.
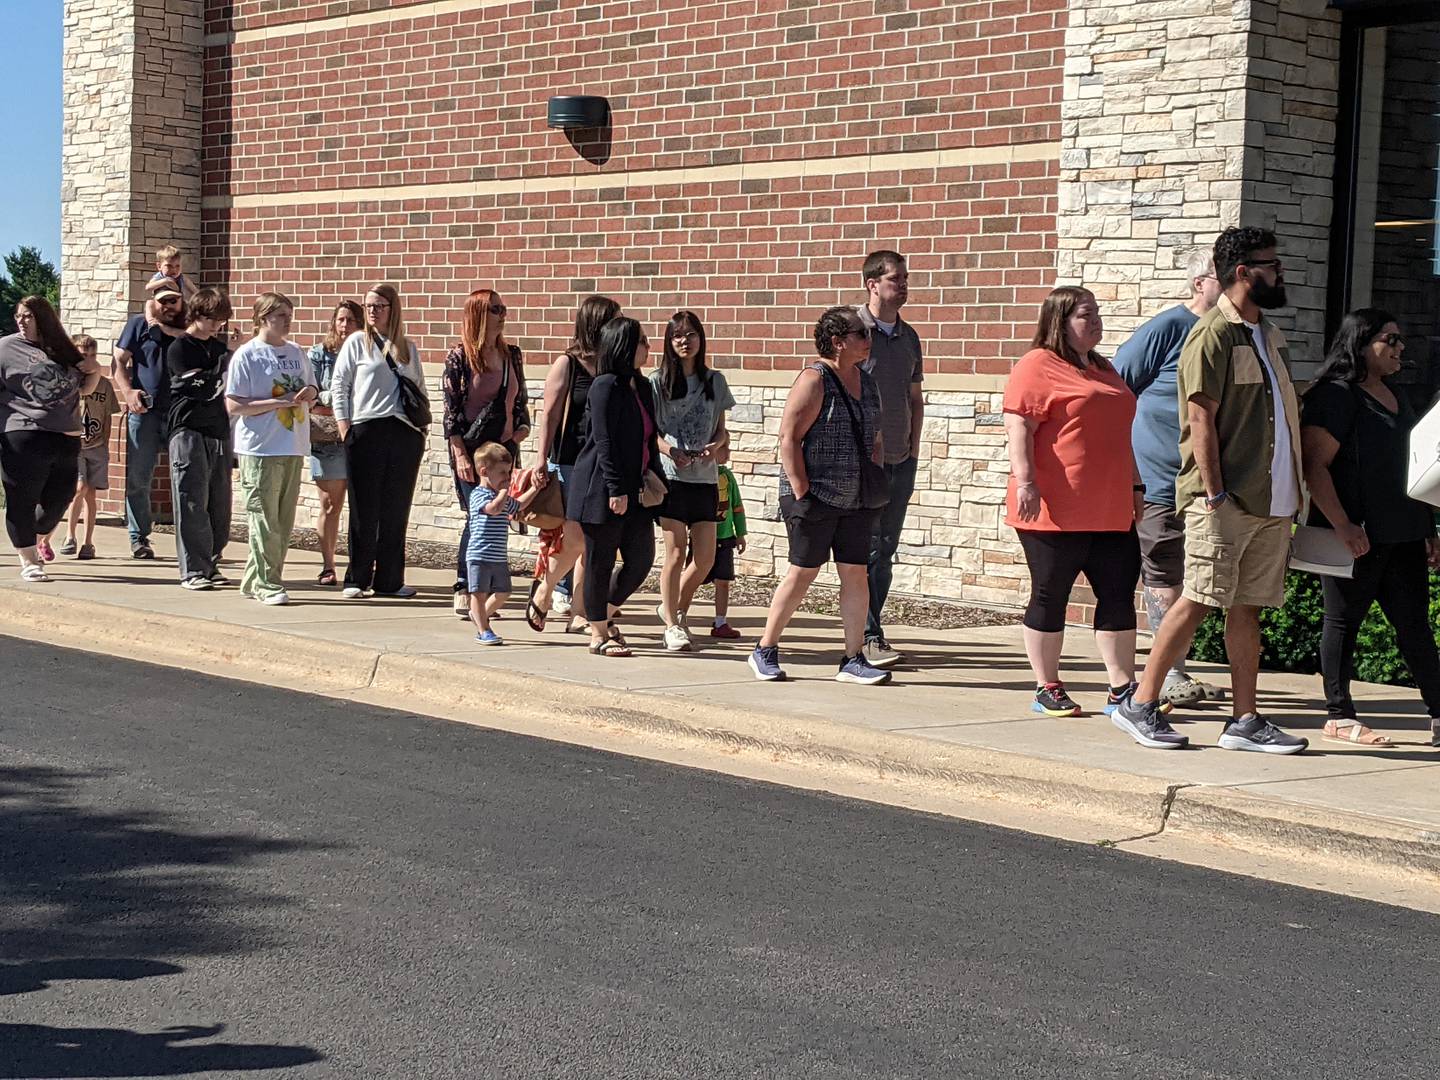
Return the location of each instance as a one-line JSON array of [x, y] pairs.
[[1392, 339], [1264, 262], [377, 307], [689, 335], [859, 331]]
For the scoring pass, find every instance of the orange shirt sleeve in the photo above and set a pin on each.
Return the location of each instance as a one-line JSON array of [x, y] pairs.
[[1028, 392]]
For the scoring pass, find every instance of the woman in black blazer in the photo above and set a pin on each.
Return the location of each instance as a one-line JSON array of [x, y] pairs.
[[604, 490]]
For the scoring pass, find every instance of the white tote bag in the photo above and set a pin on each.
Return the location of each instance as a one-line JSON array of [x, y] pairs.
[[1423, 480]]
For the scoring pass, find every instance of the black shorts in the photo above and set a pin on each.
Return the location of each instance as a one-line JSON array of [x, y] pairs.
[[691, 503], [724, 568], [818, 530]]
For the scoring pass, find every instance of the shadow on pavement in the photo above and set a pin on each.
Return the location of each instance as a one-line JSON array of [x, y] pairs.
[[26, 978], [35, 1051], [80, 881]]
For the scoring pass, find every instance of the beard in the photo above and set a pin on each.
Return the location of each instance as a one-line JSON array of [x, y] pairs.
[[1268, 297]]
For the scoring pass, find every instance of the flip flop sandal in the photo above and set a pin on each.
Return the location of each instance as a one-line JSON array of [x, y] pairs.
[[327, 577], [578, 626], [618, 637], [534, 617], [609, 647], [1353, 732]]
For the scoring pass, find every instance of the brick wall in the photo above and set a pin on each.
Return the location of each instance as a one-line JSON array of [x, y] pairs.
[[758, 151]]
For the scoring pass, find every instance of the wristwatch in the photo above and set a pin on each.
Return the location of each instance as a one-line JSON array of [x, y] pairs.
[[1214, 501]]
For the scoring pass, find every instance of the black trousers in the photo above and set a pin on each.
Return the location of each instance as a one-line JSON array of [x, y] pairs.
[[383, 459], [1396, 575], [39, 470], [1110, 562], [632, 538]]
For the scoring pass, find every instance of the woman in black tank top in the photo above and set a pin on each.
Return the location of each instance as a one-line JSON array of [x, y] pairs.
[[563, 427]]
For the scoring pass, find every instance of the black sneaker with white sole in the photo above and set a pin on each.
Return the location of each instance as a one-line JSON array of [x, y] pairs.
[[1146, 724], [1253, 732]]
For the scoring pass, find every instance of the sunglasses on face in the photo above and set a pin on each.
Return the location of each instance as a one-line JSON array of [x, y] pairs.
[[498, 310], [1392, 339], [169, 301], [861, 331]]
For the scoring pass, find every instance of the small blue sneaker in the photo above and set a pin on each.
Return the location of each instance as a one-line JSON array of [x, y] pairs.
[[857, 669], [489, 637], [765, 663]]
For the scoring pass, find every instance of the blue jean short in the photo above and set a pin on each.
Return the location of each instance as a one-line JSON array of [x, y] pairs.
[[488, 577], [327, 462]]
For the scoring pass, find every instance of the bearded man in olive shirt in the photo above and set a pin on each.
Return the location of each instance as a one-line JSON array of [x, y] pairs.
[[1239, 488], [897, 367]]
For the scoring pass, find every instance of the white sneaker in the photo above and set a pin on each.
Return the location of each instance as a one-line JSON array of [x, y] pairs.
[[677, 638], [561, 605], [197, 584], [275, 599], [354, 592]]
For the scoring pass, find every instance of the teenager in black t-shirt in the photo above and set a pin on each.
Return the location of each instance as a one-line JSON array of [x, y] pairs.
[[1355, 432], [200, 441]]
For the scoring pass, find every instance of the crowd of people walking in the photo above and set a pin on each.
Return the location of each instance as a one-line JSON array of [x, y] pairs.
[[1178, 468]]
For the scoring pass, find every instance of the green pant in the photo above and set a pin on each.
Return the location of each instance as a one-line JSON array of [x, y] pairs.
[[271, 486]]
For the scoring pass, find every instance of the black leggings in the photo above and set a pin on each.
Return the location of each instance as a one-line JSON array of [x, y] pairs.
[[632, 537], [1110, 562], [39, 469], [1397, 576]]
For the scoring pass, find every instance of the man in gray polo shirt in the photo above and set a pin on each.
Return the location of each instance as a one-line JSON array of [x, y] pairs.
[[896, 365]]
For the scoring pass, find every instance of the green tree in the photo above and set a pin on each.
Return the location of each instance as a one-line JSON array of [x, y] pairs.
[[26, 274]]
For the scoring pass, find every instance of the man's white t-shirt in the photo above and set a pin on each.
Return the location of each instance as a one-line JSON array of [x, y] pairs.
[[258, 370], [1284, 489]]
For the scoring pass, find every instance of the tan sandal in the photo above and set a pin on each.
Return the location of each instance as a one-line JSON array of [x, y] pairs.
[[1354, 732], [609, 647]]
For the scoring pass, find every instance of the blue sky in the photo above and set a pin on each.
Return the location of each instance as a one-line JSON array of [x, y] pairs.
[[30, 84]]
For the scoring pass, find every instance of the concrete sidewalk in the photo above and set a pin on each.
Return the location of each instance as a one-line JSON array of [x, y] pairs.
[[957, 712]]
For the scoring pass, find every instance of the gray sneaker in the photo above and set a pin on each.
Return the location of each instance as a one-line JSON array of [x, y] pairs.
[[1144, 723], [1253, 732], [878, 653]]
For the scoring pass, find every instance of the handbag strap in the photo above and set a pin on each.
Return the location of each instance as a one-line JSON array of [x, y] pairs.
[[565, 413], [855, 425]]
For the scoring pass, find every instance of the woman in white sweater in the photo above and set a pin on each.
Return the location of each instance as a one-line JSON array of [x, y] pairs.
[[382, 447]]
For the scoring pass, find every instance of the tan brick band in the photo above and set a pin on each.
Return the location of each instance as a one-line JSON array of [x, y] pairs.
[[756, 170]]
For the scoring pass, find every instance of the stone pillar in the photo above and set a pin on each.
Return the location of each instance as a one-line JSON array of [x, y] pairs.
[[132, 87], [1182, 118]]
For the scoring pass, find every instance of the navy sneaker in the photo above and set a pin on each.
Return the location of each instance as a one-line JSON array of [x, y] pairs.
[[1253, 732], [1052, 700], [1144, 723], [857, 669], [765, 663]]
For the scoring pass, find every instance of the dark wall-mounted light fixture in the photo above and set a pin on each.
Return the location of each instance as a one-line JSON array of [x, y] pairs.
[[578, 111]]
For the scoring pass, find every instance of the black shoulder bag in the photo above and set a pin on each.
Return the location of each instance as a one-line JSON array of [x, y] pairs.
[[412, 398], [874, 488], [489, 425]]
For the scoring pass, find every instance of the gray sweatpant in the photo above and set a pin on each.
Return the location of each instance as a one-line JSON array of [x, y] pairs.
[[200, 490]]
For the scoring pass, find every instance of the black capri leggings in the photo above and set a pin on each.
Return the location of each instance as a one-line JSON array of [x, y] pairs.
[[632, 538], [1110, 562], [39, 470]]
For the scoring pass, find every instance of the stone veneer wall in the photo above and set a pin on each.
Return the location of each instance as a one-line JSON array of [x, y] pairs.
[[1182, 118], [132, 87], [953, 546]]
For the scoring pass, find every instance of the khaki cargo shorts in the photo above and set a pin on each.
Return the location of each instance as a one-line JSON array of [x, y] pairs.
[[1234, 558]]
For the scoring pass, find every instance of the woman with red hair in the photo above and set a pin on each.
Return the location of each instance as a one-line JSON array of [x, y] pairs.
[[485, 401]]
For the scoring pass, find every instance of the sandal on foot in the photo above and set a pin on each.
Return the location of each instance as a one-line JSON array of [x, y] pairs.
[[618, 637], [534, 617], [34, 572], [1352, 731], [327, 576], [577, 626], [609, 647]]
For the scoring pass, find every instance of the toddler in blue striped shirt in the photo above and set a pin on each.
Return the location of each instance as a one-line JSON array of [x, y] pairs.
[[487, 558]]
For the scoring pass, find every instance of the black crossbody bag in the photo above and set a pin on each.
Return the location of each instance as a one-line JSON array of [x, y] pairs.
[[874, 488], [412, 398]]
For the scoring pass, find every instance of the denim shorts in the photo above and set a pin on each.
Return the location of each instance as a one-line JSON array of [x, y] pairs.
[[327, 462], [487, 577]]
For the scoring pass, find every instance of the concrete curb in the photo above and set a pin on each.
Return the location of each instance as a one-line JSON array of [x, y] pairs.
[[1122, 806]]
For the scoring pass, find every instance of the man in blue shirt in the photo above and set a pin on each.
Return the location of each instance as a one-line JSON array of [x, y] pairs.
[[142, 383], [1147, 363]]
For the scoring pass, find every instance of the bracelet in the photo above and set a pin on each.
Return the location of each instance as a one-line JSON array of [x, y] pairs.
[[1140, 488]]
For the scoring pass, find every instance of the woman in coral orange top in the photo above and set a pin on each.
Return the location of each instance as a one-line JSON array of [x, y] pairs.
[[1074, 493]]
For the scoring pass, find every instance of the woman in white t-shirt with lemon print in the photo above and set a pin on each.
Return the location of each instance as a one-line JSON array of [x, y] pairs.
[[267, 391]]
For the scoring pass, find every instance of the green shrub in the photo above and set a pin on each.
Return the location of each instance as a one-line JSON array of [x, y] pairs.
[[1290, 635]]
